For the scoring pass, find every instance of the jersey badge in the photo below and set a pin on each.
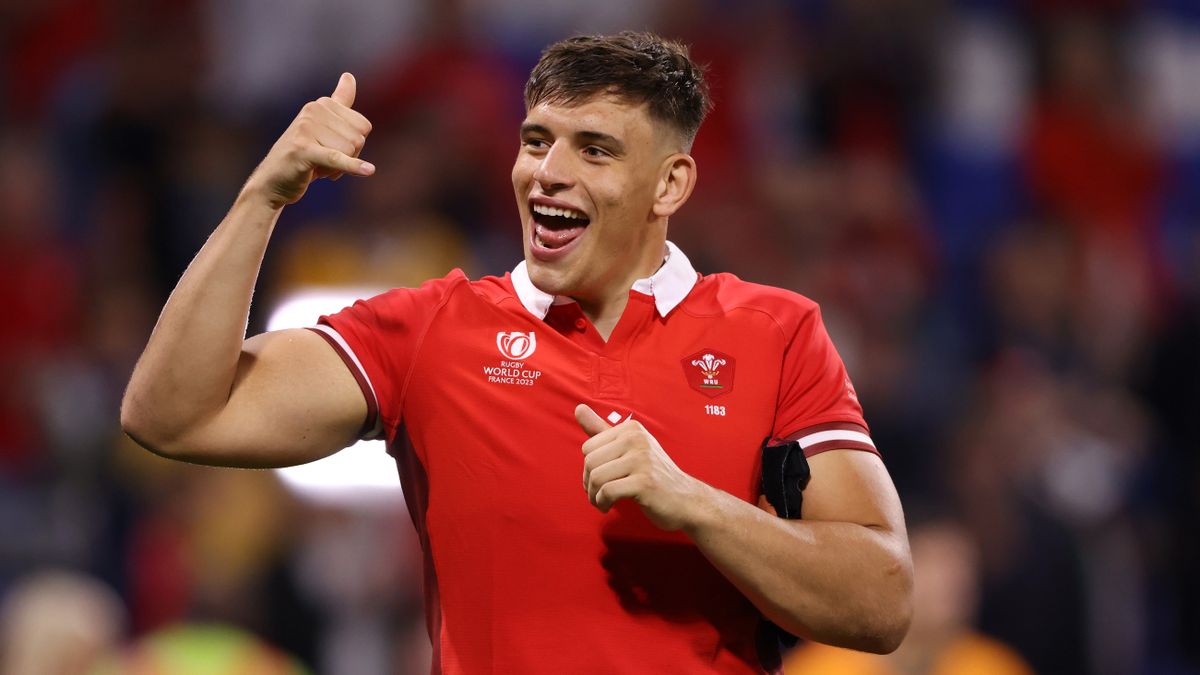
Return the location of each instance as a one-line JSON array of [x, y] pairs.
[[514, 347], [709, 372]]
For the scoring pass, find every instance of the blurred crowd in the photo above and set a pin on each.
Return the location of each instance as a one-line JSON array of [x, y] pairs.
[[996, 202]]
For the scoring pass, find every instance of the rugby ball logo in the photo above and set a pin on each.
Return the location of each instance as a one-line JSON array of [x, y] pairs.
[[516, 345]]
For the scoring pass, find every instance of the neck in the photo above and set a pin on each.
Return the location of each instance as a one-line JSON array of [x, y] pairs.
[[605, 310], [604, 316]]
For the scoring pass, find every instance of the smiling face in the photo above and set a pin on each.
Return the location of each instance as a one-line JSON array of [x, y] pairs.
[[594, 184]]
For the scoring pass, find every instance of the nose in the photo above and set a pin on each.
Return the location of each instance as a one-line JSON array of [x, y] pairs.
[[553, 172]]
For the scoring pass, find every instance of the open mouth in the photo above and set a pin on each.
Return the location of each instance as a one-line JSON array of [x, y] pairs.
[[554, 227]]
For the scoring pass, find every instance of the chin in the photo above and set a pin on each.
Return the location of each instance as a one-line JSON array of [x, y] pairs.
[[546, 278]]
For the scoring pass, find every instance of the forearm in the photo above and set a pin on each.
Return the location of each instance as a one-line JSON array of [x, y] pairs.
[[200, 390], [839, 583], [187, 369]]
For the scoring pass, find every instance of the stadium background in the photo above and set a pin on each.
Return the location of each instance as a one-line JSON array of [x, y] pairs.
[[996, 203]]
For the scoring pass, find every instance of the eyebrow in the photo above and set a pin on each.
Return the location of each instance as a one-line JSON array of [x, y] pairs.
[[598, 138], [531, 128], [590, 137]]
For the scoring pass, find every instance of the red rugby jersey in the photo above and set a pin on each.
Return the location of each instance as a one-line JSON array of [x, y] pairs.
[[474, 384]]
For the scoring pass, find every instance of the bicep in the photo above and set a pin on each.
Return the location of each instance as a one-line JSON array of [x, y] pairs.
[[292, 401], [853, 486]]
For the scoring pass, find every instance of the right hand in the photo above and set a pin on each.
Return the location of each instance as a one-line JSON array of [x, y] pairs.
[[323, 141]]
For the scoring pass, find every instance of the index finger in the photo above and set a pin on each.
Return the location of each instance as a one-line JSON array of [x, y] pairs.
[[349, 115]]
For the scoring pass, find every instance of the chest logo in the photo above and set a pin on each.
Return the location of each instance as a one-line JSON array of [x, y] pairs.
[[709, 372], [516, 346]]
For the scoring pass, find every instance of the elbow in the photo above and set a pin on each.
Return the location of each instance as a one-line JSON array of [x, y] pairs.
[[140, 424], [879, 633], [877, 621], [887, 636], [877, 630], [886, 624], [135, 423]]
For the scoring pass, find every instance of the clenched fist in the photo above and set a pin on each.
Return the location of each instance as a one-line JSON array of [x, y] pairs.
[[626, 462], [323, 141]]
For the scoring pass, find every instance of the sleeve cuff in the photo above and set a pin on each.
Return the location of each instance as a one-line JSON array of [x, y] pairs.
[[373, 424], [833, 436]]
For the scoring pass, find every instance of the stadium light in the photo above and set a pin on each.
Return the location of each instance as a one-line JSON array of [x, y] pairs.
[[361, 476]]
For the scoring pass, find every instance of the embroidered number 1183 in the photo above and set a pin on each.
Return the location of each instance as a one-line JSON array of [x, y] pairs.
[[718, 410]]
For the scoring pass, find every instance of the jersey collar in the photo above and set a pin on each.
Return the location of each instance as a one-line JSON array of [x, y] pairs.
[[668, 286]]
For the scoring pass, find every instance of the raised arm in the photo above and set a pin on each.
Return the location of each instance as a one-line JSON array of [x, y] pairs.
[[203, 393]]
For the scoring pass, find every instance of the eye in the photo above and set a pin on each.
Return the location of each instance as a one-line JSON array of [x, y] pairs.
[[595, 152], [535, 143]]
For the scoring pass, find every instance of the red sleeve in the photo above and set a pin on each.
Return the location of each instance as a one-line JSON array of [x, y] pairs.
[[817, 403], [378, 339]]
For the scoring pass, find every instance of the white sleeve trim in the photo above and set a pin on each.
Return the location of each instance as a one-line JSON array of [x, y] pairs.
[[834, 435], [353, 357]]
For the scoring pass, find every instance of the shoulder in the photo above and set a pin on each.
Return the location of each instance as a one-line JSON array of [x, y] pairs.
[[494, 289], [435, 292], [432, 289], [724, 293], [455, 290]]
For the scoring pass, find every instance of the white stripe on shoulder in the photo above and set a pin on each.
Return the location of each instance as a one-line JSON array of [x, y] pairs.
[[835, 435], [353, 357]]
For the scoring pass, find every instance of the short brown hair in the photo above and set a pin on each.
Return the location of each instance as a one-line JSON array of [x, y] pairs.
[[636, 67]]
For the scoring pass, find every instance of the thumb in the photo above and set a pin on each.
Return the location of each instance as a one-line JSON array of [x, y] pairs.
[[346, 89], [588, 419]]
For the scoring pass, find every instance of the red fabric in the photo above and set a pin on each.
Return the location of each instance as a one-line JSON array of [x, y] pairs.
[[523, 574]]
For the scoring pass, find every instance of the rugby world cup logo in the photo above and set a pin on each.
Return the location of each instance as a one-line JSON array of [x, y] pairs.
[[515, 345]]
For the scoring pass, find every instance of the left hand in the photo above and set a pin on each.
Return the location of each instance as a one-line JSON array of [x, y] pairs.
[[626, 462]]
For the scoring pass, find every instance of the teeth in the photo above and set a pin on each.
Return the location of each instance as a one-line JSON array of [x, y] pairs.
[[544, 210]]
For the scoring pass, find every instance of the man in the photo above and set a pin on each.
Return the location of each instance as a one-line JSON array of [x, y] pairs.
[[660, 561]]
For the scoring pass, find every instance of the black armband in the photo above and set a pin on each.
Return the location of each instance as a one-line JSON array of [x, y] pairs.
[[785, 474]]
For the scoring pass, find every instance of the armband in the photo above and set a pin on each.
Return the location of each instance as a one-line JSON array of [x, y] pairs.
[[785, 474]]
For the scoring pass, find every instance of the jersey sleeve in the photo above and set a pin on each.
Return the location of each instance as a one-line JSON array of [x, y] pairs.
[[378, 339], [818, 406]]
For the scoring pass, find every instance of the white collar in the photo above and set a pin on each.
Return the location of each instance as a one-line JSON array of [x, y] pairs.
[[668, 286]]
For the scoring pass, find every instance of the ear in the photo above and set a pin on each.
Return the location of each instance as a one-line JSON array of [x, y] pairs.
[[676, 181]]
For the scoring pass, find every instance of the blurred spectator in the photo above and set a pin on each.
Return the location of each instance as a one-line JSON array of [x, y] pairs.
[[58, 623], [1043, 467], [969, 168], [204, 543], [200, 649], [266, 53], [39, 290], [1089, 157], [1172, 386], [39, 43]]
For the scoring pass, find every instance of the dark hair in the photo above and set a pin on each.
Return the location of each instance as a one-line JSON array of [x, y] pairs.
[[636, 67]]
